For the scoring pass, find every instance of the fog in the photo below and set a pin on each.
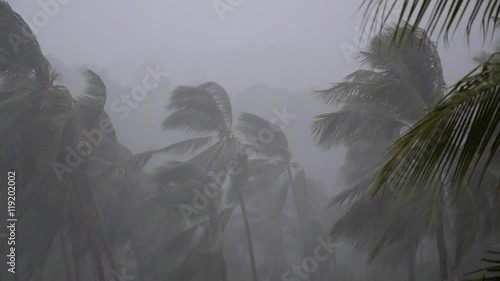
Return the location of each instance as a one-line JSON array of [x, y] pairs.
[[271, 57], [296, 46]]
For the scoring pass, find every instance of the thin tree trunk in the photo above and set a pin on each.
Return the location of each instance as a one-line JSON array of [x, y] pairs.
[[249, 238], [65, 256], [90, 234], [76, 260], [422, 253], [443, 258], [300, 213], [334, 264], [411, 265], [133, 182], [107, 249]]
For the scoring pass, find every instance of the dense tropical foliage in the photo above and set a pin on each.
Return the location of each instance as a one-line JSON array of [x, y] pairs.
[[231, 201]]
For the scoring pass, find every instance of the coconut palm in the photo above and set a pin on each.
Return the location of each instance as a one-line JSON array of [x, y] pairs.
[[207, 109], [468, 143], [38, 119], [271, 158], [459, 137], [379, 103]]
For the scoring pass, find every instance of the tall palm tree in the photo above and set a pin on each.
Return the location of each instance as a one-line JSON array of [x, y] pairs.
[[271, 159], [457, 139], [450, 139], [207, 109], [38, 122], [378, 104]]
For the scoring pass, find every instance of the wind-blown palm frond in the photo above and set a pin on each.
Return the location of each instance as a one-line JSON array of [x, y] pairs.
[[489, 271], [352, 123], [253, 127], [191, 121], [355, 192], [401, 83], [187, 146], [454, 13], [20, 53], [460, 135], [237, 177], [95, 93], [222, 100], [198, 105], [56, 108]]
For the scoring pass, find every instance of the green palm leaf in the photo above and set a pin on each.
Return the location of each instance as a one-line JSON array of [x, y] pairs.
[[457, 137], [195, 109], [20, 53], [443, 16]]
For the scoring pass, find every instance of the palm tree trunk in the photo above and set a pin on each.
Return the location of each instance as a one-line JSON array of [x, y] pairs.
[[65, 256], [411, 265], [133, 182], [106, 243], [249, 238], [90, 234], [335, 271], [300, 213], [443, 258], [76, 260]]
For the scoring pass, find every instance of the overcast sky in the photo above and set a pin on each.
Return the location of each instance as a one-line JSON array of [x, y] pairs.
[[296, 45], [298, 38]]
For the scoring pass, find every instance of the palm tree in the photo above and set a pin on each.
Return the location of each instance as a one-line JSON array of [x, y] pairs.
[[378, 104], [458, 138], [38, 123], [454, 141], [207, 109], [270, 159]]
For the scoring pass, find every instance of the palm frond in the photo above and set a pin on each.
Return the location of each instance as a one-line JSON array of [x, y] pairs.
[[356, 191], [457, 137], [444, 16], [56, 108], [351, 124], [175, 171], [20, 53], [94, 96], [254, 127], [191, 121], [491, 271], [237, 176], [192, 145], [200, 103], [222, 100], [204, 160]]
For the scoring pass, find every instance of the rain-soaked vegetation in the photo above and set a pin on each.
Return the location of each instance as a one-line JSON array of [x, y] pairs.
[[147, 141]]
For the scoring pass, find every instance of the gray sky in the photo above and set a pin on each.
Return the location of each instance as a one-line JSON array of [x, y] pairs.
[[299, 41], [295, 45]]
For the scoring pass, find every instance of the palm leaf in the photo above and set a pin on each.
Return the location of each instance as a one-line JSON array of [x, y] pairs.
[[459, 135], [222, 100], [20, 53], [192, 145], [490, 272], [198, 105], [253, 126], [444, 16], [191, 121]]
